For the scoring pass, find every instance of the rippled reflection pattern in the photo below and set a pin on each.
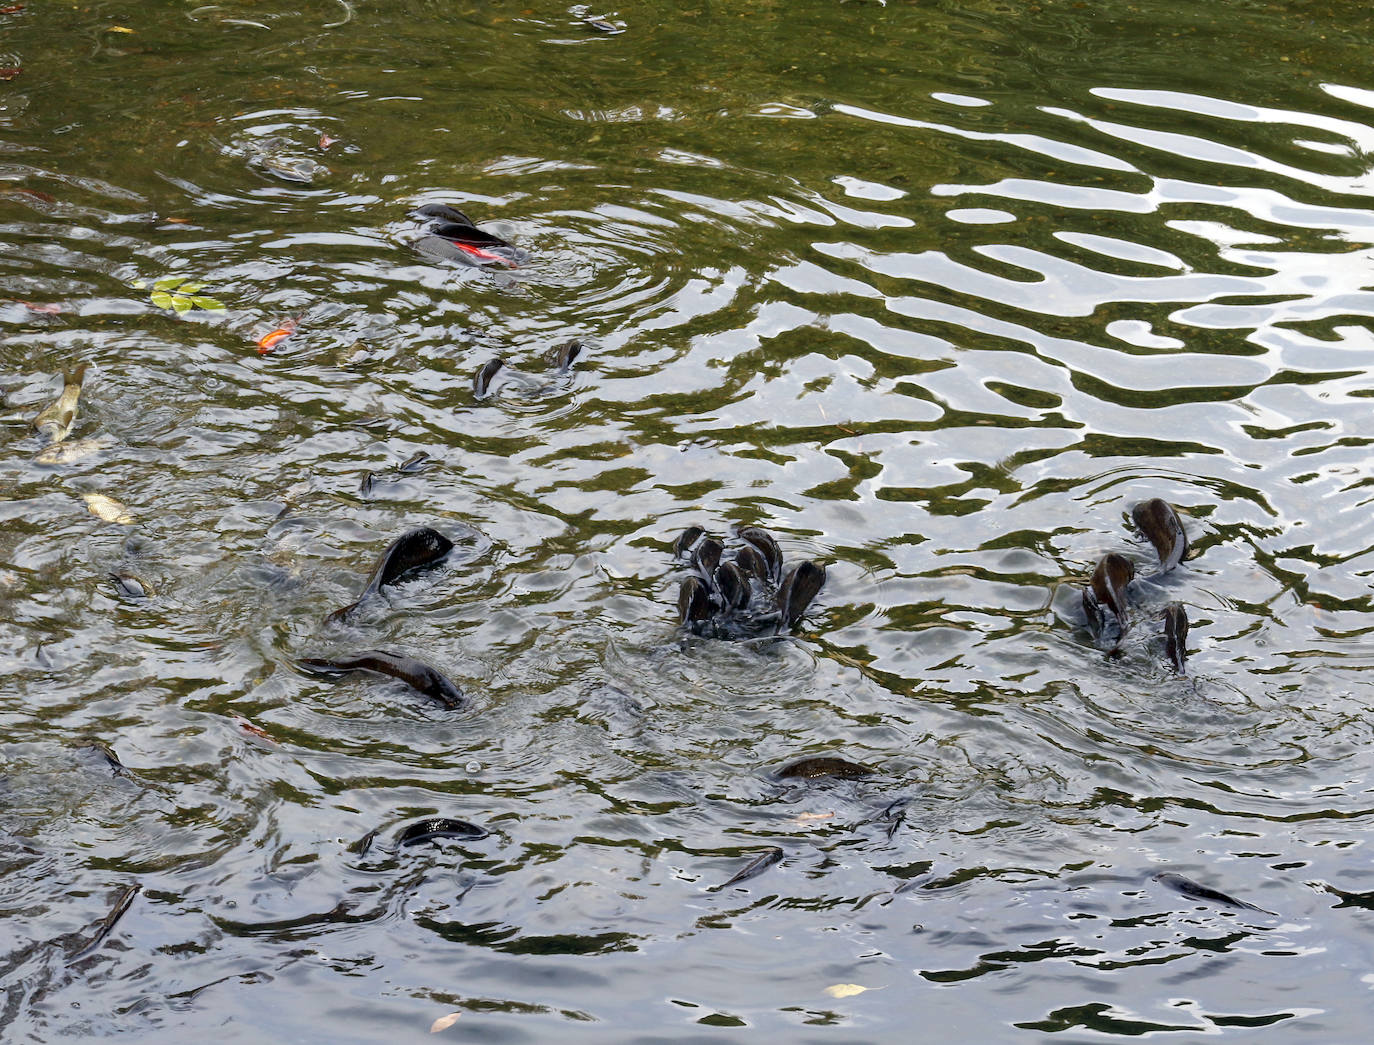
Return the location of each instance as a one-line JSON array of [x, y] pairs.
[[936, 317]]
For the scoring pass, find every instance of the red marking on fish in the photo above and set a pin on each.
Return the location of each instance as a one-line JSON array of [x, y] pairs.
[[326, 141], [484, 255]]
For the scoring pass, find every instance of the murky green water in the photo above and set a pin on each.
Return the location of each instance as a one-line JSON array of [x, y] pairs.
[[935, 292]]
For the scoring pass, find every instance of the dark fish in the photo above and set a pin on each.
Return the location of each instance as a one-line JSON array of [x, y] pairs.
[[1176, 635], [414, 673], [603, 26], [693, 603], [468, 234], [363, 844], [443, 212], [482, 382], [439, 827], [117, 767], [754, 868], [126, 899], [684, 543], [368, 484], [1159, 522], [733, 586], [131, 586], [801, 585], [414, 464], [1108, 588], [752, 562], [762, 541], [563, 356], [1196, 891], [814, 768], [416, 548], [467, 253], [706, 557]]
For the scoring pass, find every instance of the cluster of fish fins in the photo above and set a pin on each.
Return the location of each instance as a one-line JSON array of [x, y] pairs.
[[747, 595], [1105, 598]]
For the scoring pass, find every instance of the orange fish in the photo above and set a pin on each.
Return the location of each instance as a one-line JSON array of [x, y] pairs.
[[268, 342]]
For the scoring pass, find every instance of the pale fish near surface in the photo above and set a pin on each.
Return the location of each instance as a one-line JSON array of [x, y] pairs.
[[56, 420], [69, 453], [107, 508]]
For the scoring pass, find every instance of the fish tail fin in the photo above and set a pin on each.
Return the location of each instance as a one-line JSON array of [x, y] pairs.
[[341, 615], [76, 375]]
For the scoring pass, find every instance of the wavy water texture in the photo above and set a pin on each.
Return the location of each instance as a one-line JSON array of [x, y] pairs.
[[937, 318]]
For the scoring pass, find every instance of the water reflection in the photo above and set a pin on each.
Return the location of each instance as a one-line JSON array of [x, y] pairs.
[[937, 328]]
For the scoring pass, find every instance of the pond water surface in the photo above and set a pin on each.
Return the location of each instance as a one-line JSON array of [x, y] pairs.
[[935, 292]]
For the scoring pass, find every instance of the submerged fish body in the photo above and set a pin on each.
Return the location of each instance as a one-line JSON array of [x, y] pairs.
[[753, 868], [413, 549], [1197, 891], [562, 357], [1158, 520], [77, 450], [56, 420], [439, 827], [414, 673], [815, 768], [1176, 635], [107, 508], [453, 236]]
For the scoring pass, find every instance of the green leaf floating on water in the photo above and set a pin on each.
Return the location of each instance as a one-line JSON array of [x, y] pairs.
[[181, 294]]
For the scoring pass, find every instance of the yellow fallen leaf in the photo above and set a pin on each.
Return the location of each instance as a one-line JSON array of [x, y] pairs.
[[107, 508], [119, 29], [444, 1022], [845, 990]]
